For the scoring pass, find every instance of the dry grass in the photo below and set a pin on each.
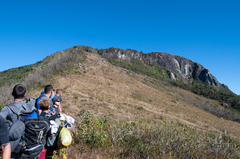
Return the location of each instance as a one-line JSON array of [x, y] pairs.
[[148, 139], [108, 90]]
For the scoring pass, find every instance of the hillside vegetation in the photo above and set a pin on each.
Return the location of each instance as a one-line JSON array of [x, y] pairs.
[[222, 94], [16, 74], [161, 73], [39, 74], [138, 109], [123, 113]]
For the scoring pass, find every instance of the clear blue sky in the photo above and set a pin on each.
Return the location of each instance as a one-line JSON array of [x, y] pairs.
[[204, 31]]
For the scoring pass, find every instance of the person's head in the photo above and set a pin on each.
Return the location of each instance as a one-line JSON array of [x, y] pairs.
[[19, 91], [48, 89], [59, 92], [44, 104]]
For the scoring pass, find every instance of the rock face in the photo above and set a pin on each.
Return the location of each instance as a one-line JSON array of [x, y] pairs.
[[178, 65]]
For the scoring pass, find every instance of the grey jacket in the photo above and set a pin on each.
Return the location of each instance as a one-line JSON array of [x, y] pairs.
[[17, 107]]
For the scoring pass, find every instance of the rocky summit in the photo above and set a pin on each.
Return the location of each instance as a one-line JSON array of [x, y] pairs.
[[179, 67]]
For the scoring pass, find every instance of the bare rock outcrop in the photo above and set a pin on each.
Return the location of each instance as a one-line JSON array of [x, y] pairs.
[[182, 67]]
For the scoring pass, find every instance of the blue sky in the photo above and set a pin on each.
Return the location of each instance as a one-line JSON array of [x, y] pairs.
[[205, 31]]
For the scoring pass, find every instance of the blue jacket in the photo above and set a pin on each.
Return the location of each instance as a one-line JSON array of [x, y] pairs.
[[39, 98]]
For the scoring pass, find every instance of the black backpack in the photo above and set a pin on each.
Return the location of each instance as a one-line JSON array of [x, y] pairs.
[[27, 136], [34, 138], [51, 139]]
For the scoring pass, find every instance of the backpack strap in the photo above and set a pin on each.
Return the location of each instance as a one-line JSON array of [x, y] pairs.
[[14, 109], [22, 111]]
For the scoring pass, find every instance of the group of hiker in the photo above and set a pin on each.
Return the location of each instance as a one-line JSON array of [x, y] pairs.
[[33, 129]]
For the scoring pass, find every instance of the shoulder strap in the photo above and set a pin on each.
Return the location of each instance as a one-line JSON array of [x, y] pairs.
[[22, 111], [14, 109]]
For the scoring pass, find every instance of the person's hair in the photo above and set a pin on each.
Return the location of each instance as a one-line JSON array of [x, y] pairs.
[[58, 91], [48, 88], [19, 91], [44, 103]]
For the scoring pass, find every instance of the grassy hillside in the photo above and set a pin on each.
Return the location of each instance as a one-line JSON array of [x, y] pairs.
[[122, 114], [161, 73], [35, 75], [61, 62], [133, 111], [16, 74], [223, 95]]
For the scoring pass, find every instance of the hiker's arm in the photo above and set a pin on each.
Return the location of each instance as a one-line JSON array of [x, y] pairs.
[[6, 150], [58, 105], [60, 108], [4, 139]]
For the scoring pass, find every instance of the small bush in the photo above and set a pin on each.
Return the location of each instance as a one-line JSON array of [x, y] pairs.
[[151, 139], [1, 106]]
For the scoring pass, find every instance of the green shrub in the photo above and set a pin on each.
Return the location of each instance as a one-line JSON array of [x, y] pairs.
[[141, 67], [1, 106], [151, 139], [16, 74], [222, 95]]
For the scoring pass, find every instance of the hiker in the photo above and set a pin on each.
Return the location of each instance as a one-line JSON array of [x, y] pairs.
[[4, 140], [17, 110], [51, 97], [46, 114], [48, 91], [57, 100], [57, 96], [19, 93]]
